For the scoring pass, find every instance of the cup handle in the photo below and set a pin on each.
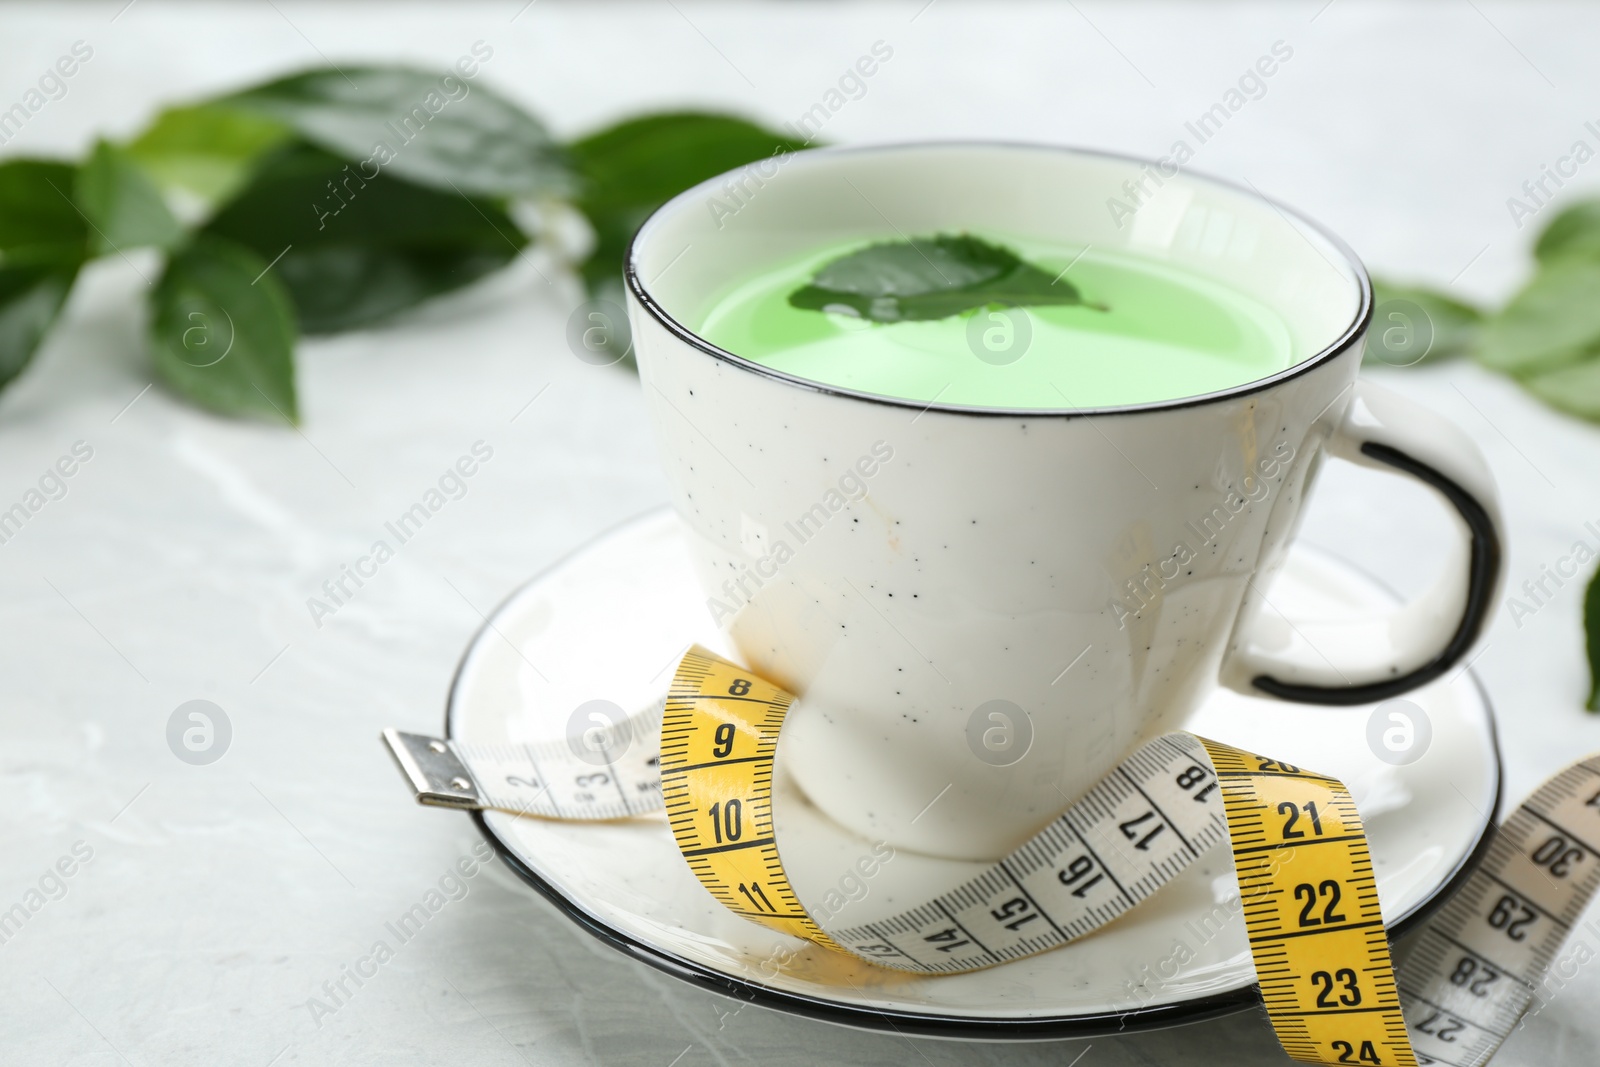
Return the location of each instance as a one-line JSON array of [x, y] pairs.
[[1379, 659]]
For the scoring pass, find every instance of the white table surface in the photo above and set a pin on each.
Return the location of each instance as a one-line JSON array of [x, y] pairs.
[[220, 898]]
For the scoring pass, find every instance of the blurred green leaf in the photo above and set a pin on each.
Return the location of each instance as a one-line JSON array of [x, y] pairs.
[[1432, 328], [124, 208], [222, 331], [1548, 325], [1574, 389], [38, 220], [43, 241], [354, 250], [31, 296], [630, 169], [205, 149], [1575, 232], [434, 128], [930, 278]]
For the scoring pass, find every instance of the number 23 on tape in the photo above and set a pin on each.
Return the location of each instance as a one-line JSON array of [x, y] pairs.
[[1307, 887]]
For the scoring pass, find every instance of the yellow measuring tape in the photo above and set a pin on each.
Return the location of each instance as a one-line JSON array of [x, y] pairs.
[[719, 733], [1308, 893], [1310, 905]]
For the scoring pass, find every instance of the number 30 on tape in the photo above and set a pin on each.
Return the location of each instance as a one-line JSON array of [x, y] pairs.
[[1306, 883]]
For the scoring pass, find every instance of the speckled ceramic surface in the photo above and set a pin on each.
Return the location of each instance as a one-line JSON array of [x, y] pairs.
[[610, 623], [904, 563]]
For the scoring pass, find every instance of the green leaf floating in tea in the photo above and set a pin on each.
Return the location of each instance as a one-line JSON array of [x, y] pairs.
[[930, 278]]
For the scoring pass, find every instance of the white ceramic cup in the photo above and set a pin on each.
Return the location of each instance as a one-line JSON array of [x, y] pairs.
[[982, 610]]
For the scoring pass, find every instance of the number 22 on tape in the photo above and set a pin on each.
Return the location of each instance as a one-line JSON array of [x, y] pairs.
[[1307, 888]]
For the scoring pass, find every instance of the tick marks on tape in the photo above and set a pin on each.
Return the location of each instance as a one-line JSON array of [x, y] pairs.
[[850, 888], [1321, 952], [1151, 978]]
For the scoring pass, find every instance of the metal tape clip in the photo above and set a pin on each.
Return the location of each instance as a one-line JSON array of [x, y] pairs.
[[436, 774]]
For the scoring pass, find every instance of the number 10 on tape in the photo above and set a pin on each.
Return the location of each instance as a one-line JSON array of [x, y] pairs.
[[1307, 888]]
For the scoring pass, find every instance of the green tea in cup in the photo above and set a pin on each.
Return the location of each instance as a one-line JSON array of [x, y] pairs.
[[1102, 328]]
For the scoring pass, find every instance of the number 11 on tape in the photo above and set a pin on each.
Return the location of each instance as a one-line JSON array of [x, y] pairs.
[[1307, 887]]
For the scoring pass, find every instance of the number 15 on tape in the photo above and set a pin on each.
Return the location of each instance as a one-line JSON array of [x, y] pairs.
[[1307, 887]]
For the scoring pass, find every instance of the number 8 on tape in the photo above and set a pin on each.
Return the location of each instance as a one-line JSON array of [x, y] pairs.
[[1306, 883]]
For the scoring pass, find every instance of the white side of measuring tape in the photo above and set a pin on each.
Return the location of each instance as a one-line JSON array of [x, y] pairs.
[[1467, 979], [1474, 969], [1131, 834]]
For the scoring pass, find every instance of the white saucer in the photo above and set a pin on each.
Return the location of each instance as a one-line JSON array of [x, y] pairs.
[[611, 622]]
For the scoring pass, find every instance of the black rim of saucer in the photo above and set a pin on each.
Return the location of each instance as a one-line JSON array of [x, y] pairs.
[[934, 1024]]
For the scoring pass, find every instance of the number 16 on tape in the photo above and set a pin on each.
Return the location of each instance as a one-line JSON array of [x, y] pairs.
[[1307, 888]]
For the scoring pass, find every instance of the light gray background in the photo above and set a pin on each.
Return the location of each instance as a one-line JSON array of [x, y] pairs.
[[220, 898]]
